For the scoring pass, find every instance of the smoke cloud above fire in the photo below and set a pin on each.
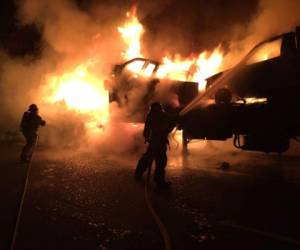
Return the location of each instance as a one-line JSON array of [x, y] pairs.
[[81, 39], [271, 18]]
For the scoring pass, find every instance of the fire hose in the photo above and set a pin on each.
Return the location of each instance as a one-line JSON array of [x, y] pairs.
[[16, 228], [161, 226]]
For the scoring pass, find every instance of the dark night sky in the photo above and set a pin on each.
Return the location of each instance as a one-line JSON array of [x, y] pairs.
[[201, 24], [15, 38]]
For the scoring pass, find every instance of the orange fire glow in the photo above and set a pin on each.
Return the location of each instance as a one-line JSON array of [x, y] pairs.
[[194, 68], [82, 92], [265, 52], [131, 33]]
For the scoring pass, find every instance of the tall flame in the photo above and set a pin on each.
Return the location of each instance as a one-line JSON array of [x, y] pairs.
[[207, 65], [194, 68], [82, 91], [131, 33]]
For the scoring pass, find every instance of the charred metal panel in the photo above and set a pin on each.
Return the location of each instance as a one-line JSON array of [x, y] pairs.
[[265, 143], [187, 91], [212, 122], [288, 46]]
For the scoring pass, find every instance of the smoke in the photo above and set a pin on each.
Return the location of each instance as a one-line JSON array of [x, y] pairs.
[[19, 78], [70, 37], [73, 32], [273, 17], [190, 27]]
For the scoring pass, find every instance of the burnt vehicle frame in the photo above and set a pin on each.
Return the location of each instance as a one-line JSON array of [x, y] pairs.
[[145, 82], [266, 124]]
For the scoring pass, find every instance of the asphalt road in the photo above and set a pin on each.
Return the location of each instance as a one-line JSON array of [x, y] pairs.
[[87, 200]]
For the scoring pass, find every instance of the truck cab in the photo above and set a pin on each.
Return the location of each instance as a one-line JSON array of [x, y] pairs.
[[134, 85]]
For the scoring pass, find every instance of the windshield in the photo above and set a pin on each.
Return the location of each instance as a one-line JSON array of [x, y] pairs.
[[149, 69], [135, 66], [266, 51], [141, 67]]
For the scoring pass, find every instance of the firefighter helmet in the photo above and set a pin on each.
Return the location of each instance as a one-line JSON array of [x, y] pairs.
[[33, 107]]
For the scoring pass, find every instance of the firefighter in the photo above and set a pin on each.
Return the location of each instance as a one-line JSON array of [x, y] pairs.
[[30, 123], [158, 125]]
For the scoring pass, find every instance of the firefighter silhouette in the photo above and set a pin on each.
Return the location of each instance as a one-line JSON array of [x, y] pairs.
[[158, 125], [30, 123]]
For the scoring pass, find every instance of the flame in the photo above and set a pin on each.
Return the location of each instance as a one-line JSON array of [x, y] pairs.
[[131, 33], [136, 67], [207, 65], [251, 100], [195, 69], [266, 52], [81, 91], [176, 69]]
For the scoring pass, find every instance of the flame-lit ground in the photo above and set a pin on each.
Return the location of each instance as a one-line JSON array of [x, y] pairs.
[[90, 201]]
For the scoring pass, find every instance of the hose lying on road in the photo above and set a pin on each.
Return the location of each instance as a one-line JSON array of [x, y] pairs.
[[162, 228], [157, 220], [16, 228]]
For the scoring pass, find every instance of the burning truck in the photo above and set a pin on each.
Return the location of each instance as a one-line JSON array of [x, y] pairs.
[[135, 84], [255, 103]]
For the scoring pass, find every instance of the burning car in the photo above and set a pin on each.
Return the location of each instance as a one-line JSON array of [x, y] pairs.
[[136, 83], [256, 102]]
